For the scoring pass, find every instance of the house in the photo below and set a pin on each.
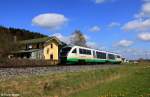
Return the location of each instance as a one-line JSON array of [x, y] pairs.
[[41, 48], [52, 48]]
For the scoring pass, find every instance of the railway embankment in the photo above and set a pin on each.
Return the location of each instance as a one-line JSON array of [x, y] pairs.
[[6, 73]]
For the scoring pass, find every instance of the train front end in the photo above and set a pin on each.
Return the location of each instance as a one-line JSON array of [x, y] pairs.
[[64, 54]]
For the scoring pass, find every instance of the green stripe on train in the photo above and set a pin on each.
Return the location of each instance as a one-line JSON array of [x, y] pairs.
[[91, 60], [113, 61], [72, 59], [86, 60]]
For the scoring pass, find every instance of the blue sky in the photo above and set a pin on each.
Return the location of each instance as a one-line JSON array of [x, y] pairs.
[[118, 25]]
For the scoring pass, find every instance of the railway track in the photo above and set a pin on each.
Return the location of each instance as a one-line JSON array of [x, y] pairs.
[[27, 71]]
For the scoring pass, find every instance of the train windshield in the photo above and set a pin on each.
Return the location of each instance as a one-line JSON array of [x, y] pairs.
[[111, 56], [65, 51], [118, 57]]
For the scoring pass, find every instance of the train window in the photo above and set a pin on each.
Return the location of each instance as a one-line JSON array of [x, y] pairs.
[[80, 51], [85, 51], [65, 51], [101, 55], [118, 57], [111, 56], [88, 52], [74, 51]]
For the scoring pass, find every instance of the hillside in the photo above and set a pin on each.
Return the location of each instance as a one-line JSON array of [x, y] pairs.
[[8, 37], [21, 34]]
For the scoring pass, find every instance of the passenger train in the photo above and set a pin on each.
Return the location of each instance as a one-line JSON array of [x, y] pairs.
[[78, 54]]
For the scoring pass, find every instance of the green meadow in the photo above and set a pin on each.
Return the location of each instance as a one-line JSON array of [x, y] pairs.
[[130, 80]]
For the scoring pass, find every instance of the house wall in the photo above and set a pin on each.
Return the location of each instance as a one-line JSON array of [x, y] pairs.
[[38, 50], [37, 54], [32, 45], [48, 51]]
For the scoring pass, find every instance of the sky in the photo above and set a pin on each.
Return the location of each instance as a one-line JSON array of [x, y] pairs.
[[121, 26]]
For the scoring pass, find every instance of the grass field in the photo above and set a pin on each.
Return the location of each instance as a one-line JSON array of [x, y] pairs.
[[132, 80]]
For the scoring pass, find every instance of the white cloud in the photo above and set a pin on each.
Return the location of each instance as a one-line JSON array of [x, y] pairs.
[[142, 19], [146, 0], [49, 20], [95, 29], [100, 1], [134, 53], [67, 39], [92, 44], [95, 45], [124, 43], [145, 11], [146, 8], [103, 1], [137, 25], [63, 38], [114, 24], [86, 37], [144, 36]]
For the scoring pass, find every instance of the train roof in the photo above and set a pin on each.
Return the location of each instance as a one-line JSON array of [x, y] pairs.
[[85, 47], [93, 49]]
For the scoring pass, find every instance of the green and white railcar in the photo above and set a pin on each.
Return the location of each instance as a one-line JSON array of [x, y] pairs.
[[75, 54], [118, 58], [113, 58]]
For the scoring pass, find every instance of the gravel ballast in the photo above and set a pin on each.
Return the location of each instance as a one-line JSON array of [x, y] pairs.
[[6, 73]]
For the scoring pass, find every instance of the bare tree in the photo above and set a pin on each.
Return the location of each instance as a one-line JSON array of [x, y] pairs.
[[78, 39]]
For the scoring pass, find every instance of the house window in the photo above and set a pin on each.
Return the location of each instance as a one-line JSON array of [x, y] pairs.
[[51, 45], [38, 46], [47, 50], [30, 46], [51, 57]]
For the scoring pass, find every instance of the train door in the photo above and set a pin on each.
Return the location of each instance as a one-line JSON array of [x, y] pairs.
[[73, 56], [74, 52], [94, 54]]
